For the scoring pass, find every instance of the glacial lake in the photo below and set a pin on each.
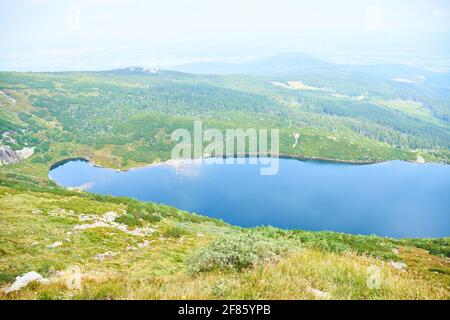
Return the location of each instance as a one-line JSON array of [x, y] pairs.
[[394, 199]]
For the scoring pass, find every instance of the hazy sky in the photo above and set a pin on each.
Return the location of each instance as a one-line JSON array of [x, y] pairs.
[[82, 33]]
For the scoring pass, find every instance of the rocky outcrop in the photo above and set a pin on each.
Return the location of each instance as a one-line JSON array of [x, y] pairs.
[[7, 97], [25, 153], [420, 159], [8, 156]]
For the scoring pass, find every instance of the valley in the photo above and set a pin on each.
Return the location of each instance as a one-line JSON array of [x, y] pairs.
[[130, 249]]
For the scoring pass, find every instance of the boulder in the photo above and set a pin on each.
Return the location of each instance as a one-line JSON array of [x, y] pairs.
[[24, 280]]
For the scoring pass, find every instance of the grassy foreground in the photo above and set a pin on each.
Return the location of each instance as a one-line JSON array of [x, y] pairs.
[[150, 251]]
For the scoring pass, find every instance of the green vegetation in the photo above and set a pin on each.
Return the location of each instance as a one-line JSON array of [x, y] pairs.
[[188, 256], [238, 252], [124, 118]]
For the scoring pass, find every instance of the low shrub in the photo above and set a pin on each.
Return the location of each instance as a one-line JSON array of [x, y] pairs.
[[129, 220], [238, 251], [5, 277], [152, 217], [145, 211], [175, 232]]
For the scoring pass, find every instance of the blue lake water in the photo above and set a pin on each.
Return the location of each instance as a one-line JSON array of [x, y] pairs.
[[395, 199]]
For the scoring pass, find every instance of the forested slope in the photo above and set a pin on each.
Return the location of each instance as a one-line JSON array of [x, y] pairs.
[[127, 115]]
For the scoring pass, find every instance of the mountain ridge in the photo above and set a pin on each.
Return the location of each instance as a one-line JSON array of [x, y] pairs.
[[291, 64]]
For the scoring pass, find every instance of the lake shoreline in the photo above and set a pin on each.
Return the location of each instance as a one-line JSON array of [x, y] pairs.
[[247, 155], [302, 193]]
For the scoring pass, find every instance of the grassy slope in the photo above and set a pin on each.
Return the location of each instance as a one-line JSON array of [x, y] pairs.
[[172, 266]]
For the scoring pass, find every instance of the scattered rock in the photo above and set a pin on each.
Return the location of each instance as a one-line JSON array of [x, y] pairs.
[[24, 280], [106, 255], [140, 232], [110, 216], [6, 138], [61, 213], [55, 245], [144, 244], [98, 224], [319, 294], [85, 217], [395, 251], [108, 221], [398, 265]]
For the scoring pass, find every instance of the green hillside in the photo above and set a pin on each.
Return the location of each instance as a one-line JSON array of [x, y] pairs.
[[124, 118]]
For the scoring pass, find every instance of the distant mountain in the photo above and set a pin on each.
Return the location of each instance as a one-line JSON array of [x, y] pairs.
[[209, 68], [299, 64], [279, 64]]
